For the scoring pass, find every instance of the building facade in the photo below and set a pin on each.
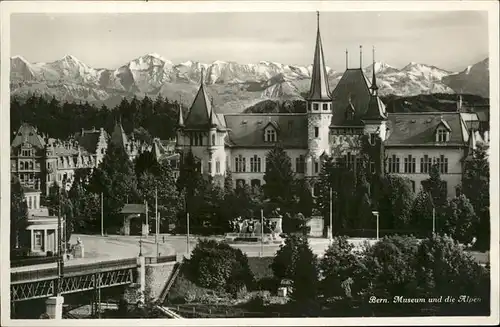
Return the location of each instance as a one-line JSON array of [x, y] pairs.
[[39, 161], [333, 125]]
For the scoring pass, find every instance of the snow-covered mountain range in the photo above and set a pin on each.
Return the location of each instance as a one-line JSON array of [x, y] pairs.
[[233, 86]]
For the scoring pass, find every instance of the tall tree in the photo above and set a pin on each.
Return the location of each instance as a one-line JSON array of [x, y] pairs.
[[436, 187], [59, 203], [421, 212], [18, 215], [396, 202], [279, 178], [476, 186], [190, 179], [86, 204], [116, 179], [461, 219]]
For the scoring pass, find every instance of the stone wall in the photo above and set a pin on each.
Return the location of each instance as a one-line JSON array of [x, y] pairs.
[[157, 276]]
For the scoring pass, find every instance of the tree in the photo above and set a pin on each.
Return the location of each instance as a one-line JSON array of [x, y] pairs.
[[442, 267], [190, 178], [116, 179], [219, 266], [461, 221], [18, 215], [86, 204], [160, 183], [338, 265], [390, 264], [285, 261], [279, 178], [436, 187], [421, 212], [303, 198], [476, 187], [305, 275], [59, 203], [396, 202], [363, 218]]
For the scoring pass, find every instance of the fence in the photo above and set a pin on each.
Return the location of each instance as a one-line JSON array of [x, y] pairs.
[[194, 312], [153, 260], [31, 261]]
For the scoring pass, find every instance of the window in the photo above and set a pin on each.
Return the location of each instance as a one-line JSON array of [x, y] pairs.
[[255, 164], [373, 138], [239, 164], [349, 160], [300, 164], [316, 190], [270, 135], [29, 202], [316, 167], [38, 239], [372, 167], [209, 167], [48, 178], [393, 164], [213, 139], [425, 164], [316, 131], [412, 185], [26, 153], [217, 167], [255, 182], [196, 139], [325, 106], [442, 164], [442, 135], [31, 165], [315, 106], [410, 164]]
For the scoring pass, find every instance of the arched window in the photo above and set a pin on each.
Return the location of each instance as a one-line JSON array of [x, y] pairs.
[[239, 164], [255, 166]]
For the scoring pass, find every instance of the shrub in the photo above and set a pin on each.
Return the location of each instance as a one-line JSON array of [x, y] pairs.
[[285, 261], [442, 267], [338, 265], [219, 266], [390, 266]]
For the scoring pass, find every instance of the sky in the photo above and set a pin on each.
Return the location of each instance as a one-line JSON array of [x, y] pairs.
[[450, 40]]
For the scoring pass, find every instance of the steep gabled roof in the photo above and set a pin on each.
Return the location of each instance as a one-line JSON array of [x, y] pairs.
[[353, 84], [89, 139], [319, 79], [376, 109], [247, 130], [445, 124], [406, 129], [118, 137], [28, 133]]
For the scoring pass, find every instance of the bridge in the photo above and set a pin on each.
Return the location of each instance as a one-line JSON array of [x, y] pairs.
[[38, 282]]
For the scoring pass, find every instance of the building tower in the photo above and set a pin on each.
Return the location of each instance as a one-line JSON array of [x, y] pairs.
[[203, 132], [375, 118], [319, 110]]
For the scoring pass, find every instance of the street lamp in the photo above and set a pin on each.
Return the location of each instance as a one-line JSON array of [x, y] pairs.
[[376, 214]]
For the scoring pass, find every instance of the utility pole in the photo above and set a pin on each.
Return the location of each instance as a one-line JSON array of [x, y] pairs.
[[60, 261], [331, 216], [433, 220], [102, 214], [158, 238], [156, 214], [187, 239], [261, 232], [147, 219]]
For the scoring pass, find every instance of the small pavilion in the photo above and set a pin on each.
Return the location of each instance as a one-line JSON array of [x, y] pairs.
[[131, 211]]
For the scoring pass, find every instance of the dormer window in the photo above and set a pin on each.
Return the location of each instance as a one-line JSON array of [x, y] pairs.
[[270, 135], [442, 135]]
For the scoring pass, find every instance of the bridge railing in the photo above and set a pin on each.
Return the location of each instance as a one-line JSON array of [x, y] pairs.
[[41, 274], [153, 260], [100, 266], [31, 261]]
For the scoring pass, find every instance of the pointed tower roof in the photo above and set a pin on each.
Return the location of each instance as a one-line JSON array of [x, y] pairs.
[[376, 109], [180, 120], [200, 114], [374, 86], [213, 118], [118, 137], [319, 79]]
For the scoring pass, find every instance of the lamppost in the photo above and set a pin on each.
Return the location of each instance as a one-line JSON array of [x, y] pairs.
[[331, 216], [140, 246], [376, 214]]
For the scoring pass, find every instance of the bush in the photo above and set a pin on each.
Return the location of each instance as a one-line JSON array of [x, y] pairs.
[[338, 265], [442, 267], [217, 265], [390, 266], [285, 261]]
